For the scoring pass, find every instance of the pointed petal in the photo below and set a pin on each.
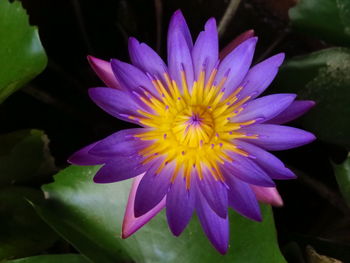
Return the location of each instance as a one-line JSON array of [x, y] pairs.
[[152, 188], [214, 192], [267, 195], [178, 23], [115, 102], [179, 59], [294, 111], [235, 42], [267, 161], [131, 223], [179, 206], [236, 65], [82, 157], [119, 168], [103, 69], [277, 137], [145, 58], [215, 227], [205, 52], [247, 170], [122, 143], [242, 198], [264, 108], [131, 78], [260, 76]]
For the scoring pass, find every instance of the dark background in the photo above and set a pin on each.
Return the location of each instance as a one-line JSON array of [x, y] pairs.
[[57, 100]]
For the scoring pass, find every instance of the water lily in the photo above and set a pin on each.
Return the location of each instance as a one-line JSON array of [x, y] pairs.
[[204, 136]]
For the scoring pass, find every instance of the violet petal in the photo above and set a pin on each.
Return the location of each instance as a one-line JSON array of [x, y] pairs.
[[145, 58], [179, 205], [260, 76], [294, 111], [152, 188], [247, 170], [83, 157], [215, 192], [236, 65], [264, 108], [277, 137], [205, 51], [270, 163], [242, 198], [215, 227]]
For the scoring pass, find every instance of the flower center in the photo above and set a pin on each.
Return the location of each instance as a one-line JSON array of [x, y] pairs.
[[193, 126]]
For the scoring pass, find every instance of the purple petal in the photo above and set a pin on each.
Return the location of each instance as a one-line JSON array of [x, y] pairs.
[[247, 170], [264, 108], [120, 143], [119, 168], [153, 187], [146, 58], [131, 223], [235, 42], [205, 52], [294, 111], [236, 65], [242, 198], [115, 102], [276, 137], [215, 227], [132, 78], [82, 157], [179, 206], [214, 192], [178, 23], [267, 195], [179, 58], [104, 71], [260, 76], [270, 163]]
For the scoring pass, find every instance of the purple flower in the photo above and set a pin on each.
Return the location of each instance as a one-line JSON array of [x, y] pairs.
[[204, 137]]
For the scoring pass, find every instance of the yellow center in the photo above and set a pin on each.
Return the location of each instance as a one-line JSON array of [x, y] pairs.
[[191, 127]]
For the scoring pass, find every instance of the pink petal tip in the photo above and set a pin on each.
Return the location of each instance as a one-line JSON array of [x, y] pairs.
[[268, 195], [131, 223], [104, 71]]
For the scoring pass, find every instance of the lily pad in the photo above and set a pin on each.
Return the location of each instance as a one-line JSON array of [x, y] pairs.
[[342, 174], [325, 19], [68, 258], [24, 156], [22, 231], [22, 56], [322, 76], [90, 215]]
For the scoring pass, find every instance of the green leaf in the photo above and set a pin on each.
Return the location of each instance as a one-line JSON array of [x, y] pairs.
[[326, 19], [22, 56], [90, 217], [24, 156], [22, 231], [324, 77], [68, 258], [342, 174]]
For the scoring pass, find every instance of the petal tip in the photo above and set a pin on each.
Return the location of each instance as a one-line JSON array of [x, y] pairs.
[[90, 58], [132, 42], [210, 23], [99, 179], [222, 249]]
